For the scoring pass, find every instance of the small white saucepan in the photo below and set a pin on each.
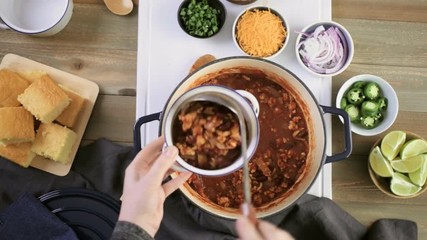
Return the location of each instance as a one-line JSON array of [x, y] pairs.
[[242, 103]]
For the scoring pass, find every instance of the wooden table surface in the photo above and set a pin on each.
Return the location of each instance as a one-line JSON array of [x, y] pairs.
[[390, 41]]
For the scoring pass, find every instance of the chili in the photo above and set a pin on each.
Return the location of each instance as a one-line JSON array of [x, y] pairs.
[[281, 155]]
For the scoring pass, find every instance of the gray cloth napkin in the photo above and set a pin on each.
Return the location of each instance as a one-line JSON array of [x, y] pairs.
[[100, 166], [309, 218]]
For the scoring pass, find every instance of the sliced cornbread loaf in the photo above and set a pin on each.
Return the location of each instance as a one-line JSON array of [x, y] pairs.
[[16, 125], [54, 141], [19, 153], [44, 99], [33, 75], [11, 85], [69, 116]]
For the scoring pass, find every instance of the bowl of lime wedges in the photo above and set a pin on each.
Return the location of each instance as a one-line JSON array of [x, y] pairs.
[[398, 164]]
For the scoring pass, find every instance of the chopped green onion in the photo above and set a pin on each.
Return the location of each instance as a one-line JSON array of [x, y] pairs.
[[200, 19]]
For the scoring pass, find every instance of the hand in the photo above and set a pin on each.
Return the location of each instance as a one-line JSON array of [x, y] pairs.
[[248, 230], [143, 192]]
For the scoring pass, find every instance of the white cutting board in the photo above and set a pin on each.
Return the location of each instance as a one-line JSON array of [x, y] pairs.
[[166, 53]]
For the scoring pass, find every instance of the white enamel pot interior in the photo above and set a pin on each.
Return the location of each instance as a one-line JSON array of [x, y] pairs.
[[34, 17], [314, 113]]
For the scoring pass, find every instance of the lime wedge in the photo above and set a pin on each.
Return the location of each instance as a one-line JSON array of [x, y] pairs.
[[379, 164], [391, 144], [419, 177], [401, 185], [408, 165], [413, 148]]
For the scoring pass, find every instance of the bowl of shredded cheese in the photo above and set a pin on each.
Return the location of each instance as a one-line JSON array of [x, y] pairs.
[[324, 48], [260, 32]]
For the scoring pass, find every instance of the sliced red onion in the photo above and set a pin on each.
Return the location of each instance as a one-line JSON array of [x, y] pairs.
[[323, 51]]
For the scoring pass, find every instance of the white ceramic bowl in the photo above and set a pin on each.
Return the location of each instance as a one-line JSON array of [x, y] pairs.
[[285, 24], [388, 92], [348, 41]]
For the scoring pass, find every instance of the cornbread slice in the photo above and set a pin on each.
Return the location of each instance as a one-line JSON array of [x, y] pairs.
[[33, 75], [19, 153], [54, 141], [16, 125], [69, 116], [44, 99], [11, 85]]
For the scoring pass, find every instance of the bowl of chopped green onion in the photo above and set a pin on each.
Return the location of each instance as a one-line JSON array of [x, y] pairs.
[[201, 18], [371, 103]]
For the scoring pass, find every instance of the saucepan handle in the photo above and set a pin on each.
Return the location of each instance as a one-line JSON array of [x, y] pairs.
[[348, 145], [137, 128], [251, 99]]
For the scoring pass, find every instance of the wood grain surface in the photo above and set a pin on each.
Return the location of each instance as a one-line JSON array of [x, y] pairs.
[[390, 41]]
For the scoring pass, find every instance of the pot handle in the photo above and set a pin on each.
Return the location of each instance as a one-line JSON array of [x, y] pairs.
[[137, 128], [348, 145], [137, 135]]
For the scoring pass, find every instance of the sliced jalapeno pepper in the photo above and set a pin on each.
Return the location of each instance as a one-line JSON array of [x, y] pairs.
[[343, 103], [372, 90], [364, 103], [355, 96], [353, 112], [369, 108], [379, 117], [368, 122], [359, 84], [382, 103]]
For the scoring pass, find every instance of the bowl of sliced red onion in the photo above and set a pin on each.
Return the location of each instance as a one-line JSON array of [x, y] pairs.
[[324, 48]]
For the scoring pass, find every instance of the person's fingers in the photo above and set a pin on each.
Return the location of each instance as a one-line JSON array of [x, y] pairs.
[[148, 154], [175, 183], [271, 232], [140, 165], [169, 172], [247, 230], [163, 163], [249, 212]]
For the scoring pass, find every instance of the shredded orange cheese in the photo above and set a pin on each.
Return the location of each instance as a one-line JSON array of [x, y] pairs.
[[260, 33]]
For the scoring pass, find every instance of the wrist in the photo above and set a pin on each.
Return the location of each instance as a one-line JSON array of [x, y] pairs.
[[129, 230], [151, 230], [141, 222]]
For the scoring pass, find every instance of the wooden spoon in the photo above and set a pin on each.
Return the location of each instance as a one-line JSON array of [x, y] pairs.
[[205, 59], [119, 7]]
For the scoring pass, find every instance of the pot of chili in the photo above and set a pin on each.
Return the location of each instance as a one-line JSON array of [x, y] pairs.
[[291, 149]]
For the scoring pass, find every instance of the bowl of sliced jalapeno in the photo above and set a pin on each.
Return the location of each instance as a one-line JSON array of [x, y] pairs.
[[370, 102]]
